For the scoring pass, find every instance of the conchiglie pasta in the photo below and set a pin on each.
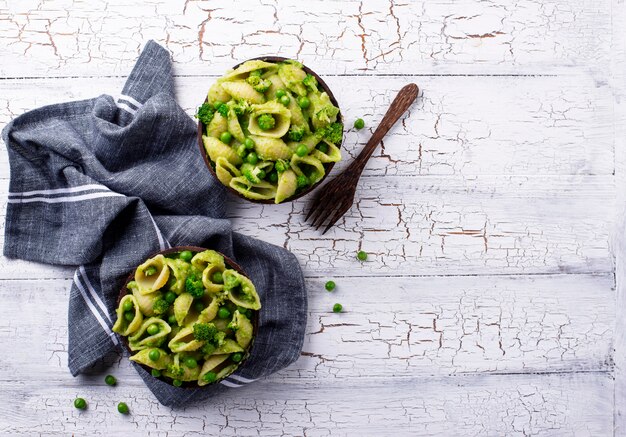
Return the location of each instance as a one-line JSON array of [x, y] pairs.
[[143, 357], [247, 67], [216, 149], [261, 191], [332, 155], [202, 260], [178, 274], [182, 304], [243, 90], [184, 341], [234, 127], [217, 94], [282, 117], [152, 275], [123, 326], [287, 185], [308, 166], [214, 364], [142, 339], [271, 148], [241, 290], [225, 171]]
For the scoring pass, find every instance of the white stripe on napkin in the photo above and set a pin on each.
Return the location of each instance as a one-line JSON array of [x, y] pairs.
[[78, 189], [94, 311], [66, 199], [241, 379], [163, 243], [125, 107], [130, 100], [93, 293], [230, 384]]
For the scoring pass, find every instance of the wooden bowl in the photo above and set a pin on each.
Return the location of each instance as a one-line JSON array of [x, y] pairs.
[[229, 263], [327, 167]]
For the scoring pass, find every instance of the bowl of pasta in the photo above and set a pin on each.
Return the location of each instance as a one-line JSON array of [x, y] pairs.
[[188, 315], [270, 130]]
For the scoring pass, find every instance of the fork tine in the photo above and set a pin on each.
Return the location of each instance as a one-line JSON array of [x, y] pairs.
[[336, 216], [321, 218], [313, 208]]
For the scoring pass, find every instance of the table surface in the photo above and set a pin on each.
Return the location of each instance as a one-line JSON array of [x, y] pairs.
[[492, 301]]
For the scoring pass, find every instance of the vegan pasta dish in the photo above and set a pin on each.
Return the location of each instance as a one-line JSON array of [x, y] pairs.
[[270, 130]]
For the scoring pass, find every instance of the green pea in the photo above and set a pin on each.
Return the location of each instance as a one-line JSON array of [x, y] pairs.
[[330, 285], [226, 137], [252, 158], [362, 256], [322, 147], [153, 329], [191, 363], [128, 305], [280, 93], [110, 380], [217, 278], [80, 403], [248, 143], [154, 355], [129, 315], [210, 376], [359, 123], [156, 373], [171, 319], [186, 255], [177, 382], [285, 100], [198, 306], [223, 313], [302, 150], [170, 296], [337, 308], [122, 408], [261, 174], [304, 102], [217, 105], [150, 271], [273, 177], [241, 151], [236, 357]]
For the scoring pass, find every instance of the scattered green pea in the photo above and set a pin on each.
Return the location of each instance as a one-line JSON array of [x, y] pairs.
[[304, 102], [122, 408], [337, 308], [80, 403], [330, 285], [191, 363], [154, 355], [301, 150], [177, 382], [226, 137], [110, 380], [150, 271], [223, 313], [362, 256], [252, 158], [153, 329], [198, 306], [210, 377], [273, 177], [280, 93], [170, 296], [248, 143], [359, 123], [285, 100], [156, 373], [217, 278], [128, 305], [261, 174], [129, 315], [186, 255], [236, 357], [171, 319]]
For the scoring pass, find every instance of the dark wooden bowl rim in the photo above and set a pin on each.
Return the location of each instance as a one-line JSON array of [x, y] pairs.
[[328, 166], [229, 263]]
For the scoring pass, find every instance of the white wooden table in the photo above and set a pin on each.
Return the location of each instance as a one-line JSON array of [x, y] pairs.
[[492, 302]]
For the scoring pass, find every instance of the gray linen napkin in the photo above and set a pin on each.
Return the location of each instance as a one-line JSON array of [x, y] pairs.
[[104, 183]]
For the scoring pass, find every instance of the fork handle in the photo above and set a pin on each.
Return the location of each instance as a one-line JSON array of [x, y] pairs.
[[406, 96]]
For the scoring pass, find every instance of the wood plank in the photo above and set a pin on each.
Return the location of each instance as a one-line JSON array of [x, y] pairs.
[[438, 225], [460, 125], [415, 327], [479, 405], [338, 37]]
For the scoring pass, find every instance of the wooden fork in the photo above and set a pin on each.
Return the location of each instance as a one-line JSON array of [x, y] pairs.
[[336, 197]]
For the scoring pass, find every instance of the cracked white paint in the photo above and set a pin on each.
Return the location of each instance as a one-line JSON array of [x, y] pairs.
[[487, 305]]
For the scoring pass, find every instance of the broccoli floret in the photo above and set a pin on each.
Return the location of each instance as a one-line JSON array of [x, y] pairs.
[[310, 82], [204, 331], [205, 113], [208, 349], [231, 281], [175, 370], [266, 121], [302, 181], [260, 85], [327, 114], [222, 108], [334, 133], [281, 165], [218, 340], [194, 286], [160, 306], [240, 107], [150, 271], [251, 173], [296, 133]]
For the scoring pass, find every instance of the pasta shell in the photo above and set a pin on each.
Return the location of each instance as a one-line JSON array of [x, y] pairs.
[[243, 329], [146, 301], [228, 347], [149, 284], [234, 127], [261, 191], [292, 77], [271, 149], [123, 326], [181, 307], [210, 312], [138, 342], [247, 67], [178, 275], [207, 274], [217, 94], [225, 171], [202, 260], [309, 166], [287, 185], [333, 154], [212, 364], [217, 126], [243, 90], [241, 290], [184, 341], [281, 114], [216, 149], [276, 85], [143, 357]]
